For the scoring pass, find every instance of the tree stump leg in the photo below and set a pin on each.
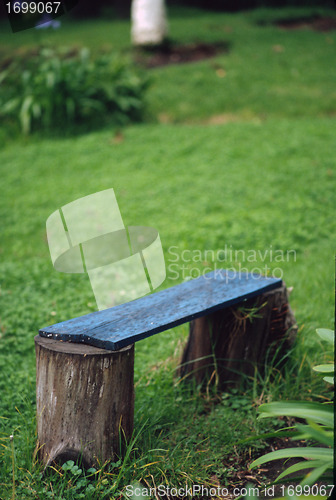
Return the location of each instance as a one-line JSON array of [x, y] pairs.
[[228, 344], [85, 401]]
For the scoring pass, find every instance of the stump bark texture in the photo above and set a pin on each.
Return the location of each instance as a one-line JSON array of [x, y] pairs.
[[85, 401], [229, 344]]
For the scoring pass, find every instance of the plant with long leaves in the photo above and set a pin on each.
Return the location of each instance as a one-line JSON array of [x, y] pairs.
[[318, 429]]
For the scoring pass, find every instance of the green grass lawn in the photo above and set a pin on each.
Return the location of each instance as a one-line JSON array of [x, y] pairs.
[[243, 161]]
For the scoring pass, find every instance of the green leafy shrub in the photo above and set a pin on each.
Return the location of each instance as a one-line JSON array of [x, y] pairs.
[[57, 90], [318, 429]]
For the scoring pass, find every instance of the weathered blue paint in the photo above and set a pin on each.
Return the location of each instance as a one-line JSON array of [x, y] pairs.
[[122, 325]]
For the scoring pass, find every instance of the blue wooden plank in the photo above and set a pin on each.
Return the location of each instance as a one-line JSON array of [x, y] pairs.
[[127, 323]]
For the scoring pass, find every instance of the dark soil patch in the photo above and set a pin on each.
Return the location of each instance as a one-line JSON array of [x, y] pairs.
[[316, 23], [178, 54], [150, 57]]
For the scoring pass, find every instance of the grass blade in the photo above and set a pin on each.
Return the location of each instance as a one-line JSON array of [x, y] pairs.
[[317, 412], [307, 452]]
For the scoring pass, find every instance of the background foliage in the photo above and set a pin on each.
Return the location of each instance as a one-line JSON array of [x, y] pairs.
[[53, 90]]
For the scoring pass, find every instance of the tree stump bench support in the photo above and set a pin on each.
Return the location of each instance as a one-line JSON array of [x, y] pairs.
[[85, 401], [231, 343], [84, 366]]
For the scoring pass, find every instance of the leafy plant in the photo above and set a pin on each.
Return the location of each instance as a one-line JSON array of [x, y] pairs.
[[318, 428], [329, 368], [62, 88]]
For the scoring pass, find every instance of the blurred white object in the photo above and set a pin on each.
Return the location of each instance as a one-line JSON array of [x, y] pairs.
[[47, 22], [149, 22]]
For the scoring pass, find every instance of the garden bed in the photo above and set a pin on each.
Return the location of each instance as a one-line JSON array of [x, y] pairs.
[[316, 23], [177, 54]]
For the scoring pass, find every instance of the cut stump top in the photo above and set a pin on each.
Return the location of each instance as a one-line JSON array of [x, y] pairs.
[[127, 323]]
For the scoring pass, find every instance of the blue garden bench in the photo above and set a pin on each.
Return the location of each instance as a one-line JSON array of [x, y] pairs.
[[85, 390], [125, 324]]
